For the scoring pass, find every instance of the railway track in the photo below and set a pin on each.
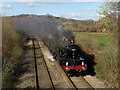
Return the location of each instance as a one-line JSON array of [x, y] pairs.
[[70, 81], [87, 83], [39, 83], [74, 82], [36, 71]]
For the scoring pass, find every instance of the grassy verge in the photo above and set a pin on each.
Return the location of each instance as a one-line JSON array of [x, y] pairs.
[[105, 49], [12, 50]]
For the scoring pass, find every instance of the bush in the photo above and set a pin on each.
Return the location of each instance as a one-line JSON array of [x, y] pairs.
[[105, 49], [12, 43]]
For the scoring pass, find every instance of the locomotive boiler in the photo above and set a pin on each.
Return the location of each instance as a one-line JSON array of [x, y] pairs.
[[70, 58]]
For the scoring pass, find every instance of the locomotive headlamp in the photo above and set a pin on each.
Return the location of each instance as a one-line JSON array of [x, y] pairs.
[[83, 68], [71, 41], [67, 69]]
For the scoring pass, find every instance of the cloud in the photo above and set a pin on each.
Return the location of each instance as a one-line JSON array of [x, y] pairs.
[[50, 1], [79, 16], [72, 15], [89, 0], [96, 0], [4, 6], [2, 13], [47, 1], [32, 4], [101, 16], [89, 9]]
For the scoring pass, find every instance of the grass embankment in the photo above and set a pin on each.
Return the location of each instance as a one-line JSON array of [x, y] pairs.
[[105, 49], [12, 50]]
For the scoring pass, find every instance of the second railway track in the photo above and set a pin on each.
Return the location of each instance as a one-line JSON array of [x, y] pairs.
[[50, 74], [43, 78]]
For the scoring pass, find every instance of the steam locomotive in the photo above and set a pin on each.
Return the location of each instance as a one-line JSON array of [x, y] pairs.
[[70, 58]]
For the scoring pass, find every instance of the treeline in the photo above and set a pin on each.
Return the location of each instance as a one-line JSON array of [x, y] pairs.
[[77, 25], [109, 23], [106, 24]]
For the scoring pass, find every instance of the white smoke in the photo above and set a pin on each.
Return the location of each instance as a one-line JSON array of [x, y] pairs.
[[49, 56]]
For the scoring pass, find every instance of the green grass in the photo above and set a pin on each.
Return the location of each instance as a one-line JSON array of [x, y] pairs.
[[104, 46]]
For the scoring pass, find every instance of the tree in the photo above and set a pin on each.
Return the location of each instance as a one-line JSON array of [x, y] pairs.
[[108, 8], [108, 23]]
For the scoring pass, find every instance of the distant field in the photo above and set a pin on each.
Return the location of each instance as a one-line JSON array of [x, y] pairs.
[[105, 49]]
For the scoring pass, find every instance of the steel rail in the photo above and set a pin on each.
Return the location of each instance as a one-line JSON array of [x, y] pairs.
[[70, 81], [36, 71], [87, 83], [47, 70]]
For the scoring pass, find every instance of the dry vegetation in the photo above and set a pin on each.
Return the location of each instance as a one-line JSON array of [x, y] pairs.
[[12, 50], [105, 49]]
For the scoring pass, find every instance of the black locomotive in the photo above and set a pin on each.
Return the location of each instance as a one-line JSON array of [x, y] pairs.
[[70, 58]]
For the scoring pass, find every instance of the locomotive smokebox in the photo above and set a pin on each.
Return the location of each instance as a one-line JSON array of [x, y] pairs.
[[73, 51]]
